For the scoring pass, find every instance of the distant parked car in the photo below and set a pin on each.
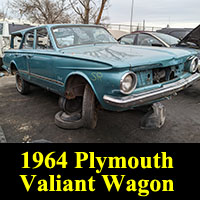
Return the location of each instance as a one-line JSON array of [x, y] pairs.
[[145, 38], [85, 65], [179, 33]]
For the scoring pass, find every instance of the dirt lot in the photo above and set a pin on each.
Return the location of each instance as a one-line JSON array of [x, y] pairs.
[[32, 118]]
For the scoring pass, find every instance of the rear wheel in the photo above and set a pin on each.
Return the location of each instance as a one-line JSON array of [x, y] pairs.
[[22, 86]]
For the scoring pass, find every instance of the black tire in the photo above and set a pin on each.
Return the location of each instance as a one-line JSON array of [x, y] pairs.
[[70, 106], [67, 124], [76, 120], [89, 112], [22, 86], [61, 103]]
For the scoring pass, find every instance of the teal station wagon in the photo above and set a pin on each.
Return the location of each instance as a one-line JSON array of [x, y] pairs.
[[85, 65]]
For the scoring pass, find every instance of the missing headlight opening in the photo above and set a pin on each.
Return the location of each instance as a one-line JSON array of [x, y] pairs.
[[162, 75]]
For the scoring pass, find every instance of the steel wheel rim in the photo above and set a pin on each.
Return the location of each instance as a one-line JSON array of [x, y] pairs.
[[19, 83]]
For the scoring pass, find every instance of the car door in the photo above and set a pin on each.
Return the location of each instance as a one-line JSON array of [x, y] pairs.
[[21, 56], [41, 63]]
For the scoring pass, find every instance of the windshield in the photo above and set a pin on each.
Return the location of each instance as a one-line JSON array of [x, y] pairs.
[[69, 36], [170, 40]]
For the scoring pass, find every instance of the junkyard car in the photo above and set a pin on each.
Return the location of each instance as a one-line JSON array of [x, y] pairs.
[[158, 39], [85, 65], [179, 33]]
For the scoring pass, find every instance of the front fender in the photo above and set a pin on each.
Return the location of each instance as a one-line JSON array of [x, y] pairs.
[[101, 82], [86, 77]]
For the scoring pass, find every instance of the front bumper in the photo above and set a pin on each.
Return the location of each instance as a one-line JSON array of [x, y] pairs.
[[152, 95]]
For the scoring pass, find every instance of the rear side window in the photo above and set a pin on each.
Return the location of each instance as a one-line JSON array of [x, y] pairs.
[[16, 41], [29, 40]]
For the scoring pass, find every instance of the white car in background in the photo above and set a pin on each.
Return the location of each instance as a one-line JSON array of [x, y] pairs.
[[6, 28]]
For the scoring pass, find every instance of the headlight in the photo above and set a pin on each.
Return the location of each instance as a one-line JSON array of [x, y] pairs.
[[194, 65], [128, 83], [198, 66]]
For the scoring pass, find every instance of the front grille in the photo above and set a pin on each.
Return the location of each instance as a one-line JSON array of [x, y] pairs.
[[164, 74], [159, 75]]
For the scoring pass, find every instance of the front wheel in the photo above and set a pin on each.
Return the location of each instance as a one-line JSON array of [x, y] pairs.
[[86, 116], [22, 86], [89, 111]]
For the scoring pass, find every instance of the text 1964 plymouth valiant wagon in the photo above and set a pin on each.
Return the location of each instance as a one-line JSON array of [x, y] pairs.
[[85, 65]]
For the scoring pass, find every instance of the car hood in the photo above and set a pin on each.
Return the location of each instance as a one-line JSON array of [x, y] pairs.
[[193, 36], [118, 55]]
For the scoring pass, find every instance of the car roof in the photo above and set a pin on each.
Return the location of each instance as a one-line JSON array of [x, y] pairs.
[[142, 32], [168, 30], [137, 32], [175, 28], [145, 32], [53, 25]]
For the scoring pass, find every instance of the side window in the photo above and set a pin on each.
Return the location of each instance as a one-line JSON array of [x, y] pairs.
[[129, 39], [147, 40], [29, 40], [43, 41], [16, 41], [1, 28]]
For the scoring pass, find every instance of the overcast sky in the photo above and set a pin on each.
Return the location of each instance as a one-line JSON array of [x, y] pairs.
[[177, 13], [184, 13]]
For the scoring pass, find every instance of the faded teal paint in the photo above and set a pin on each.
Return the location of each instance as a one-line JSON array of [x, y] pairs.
[[101, 65], [96, 76]]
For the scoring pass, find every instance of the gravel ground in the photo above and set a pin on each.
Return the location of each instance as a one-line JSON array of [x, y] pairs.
[[31, 117]]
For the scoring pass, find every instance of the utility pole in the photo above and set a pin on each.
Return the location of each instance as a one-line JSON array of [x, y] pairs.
[[131, 21], [144, 22]]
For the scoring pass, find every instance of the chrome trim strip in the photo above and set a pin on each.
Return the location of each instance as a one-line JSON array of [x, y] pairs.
[[146, 97], [42, 77]]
